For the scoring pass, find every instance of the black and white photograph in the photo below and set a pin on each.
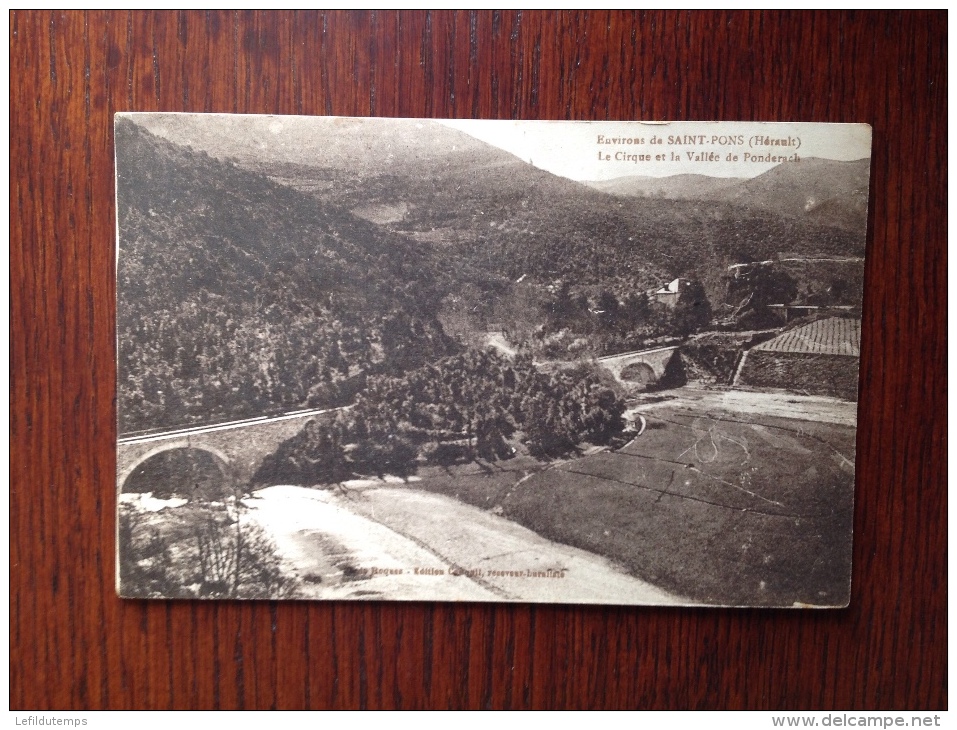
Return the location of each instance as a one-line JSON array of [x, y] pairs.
[[510, 361]]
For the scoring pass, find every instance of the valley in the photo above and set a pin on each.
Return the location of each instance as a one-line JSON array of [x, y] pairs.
[[622, 375]]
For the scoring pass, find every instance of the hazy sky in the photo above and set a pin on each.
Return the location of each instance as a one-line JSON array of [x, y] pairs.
[[576, 150], [571, 149]]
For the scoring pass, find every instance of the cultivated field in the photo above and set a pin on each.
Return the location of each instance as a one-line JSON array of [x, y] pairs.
[[722, 507], [719, 500]]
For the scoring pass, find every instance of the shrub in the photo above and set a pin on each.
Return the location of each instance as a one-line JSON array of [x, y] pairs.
[[237, 559], [200, 550]]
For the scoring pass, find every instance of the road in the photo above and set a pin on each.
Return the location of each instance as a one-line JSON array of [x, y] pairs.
[[498, 341], [781, 405], [387, 540]]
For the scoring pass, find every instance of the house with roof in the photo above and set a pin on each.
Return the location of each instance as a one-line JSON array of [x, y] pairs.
[[817, 358], [671, 292]]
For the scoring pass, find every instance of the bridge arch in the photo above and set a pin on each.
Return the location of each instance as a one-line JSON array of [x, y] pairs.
[[646, 367], [237, 447], [639, 372], [210, 467]]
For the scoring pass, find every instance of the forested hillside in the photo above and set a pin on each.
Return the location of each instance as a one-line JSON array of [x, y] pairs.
[[822, 192], [498, 215], [250, 285], [475, 405], [238, 296], [511, 219]]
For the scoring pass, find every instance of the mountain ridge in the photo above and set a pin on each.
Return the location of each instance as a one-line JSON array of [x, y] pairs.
[[828, 192], [243, 282]]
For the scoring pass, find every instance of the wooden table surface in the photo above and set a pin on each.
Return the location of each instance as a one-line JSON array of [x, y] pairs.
[[75, 645]]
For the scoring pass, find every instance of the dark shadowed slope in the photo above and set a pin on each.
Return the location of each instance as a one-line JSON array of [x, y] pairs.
[[238, 296]]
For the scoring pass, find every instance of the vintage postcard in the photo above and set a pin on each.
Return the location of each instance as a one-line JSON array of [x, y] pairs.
[[410, 359]]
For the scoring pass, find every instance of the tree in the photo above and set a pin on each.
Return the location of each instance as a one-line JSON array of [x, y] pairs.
[[603, 415], [755, 286], [315, 455], [564, 307], [692, 311], [212, 550], [321, 457], [389, 454], [636, 308], [608, 309]]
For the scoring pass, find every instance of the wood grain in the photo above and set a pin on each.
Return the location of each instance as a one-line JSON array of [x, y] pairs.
[[75, 645]]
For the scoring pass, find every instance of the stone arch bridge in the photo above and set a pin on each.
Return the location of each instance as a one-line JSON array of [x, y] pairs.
[[238, 448], [649, 365]]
